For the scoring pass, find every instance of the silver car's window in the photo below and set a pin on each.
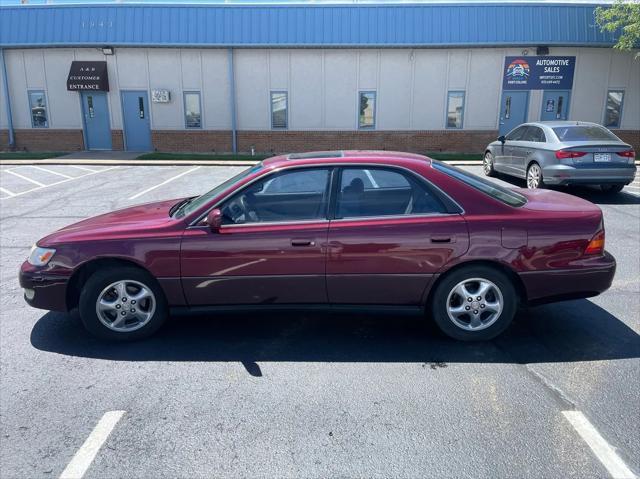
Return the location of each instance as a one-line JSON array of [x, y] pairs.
[[535, 134], [584, 133], [516, 134]]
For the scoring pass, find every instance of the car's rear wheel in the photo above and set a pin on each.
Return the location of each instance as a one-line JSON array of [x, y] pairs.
[[487, 164], [475, 303], [612, 188], [122, 304], [534, 176]]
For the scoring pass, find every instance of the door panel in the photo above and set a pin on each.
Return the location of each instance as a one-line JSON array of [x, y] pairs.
[[555, 105], [136, 118], [390, 260], [95, 110], [513, 110], [255, 264]]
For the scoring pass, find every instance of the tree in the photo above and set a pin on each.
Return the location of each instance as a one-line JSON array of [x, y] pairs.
[[623, 17]]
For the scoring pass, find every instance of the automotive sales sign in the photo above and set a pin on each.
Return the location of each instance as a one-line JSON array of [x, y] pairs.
[[538, 73]]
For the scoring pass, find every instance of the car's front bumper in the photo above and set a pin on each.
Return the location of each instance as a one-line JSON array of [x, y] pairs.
[[589, 174], [43, 290], [588, 277]]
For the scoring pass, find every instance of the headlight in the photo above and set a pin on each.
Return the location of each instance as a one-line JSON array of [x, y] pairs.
[[40, 256]]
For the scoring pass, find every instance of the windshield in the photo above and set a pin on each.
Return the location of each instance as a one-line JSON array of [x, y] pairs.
[[505, 195], [193, 204], [584, 133]]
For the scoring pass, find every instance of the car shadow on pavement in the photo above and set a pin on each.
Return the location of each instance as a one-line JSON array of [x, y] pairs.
[[589, 193], [565, 332]]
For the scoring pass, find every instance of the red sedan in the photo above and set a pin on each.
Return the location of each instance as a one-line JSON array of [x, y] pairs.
[[339, 230]]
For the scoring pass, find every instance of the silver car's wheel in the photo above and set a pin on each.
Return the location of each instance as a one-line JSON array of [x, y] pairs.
[[126, 305], [474, 304], [534, 176], [487, 164]]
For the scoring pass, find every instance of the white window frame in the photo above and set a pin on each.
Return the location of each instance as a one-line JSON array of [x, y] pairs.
[[271, 110], [446, 113], [375, 109], [606, 100], [46, 107]]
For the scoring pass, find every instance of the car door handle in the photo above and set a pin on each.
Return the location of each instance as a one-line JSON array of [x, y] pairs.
[[440, 239], [302, 243]]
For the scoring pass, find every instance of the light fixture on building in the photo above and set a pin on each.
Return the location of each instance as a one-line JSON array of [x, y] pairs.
[[107, 50], [525, 52], [541, 50]]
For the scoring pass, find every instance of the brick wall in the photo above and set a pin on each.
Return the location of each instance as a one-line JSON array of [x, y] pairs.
[[4, 139], [465, 141], [47, 139], [630, 136], [192, 140]]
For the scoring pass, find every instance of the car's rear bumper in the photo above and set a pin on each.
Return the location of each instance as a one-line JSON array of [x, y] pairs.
[[589, 174], [42, 290], [590, 277]]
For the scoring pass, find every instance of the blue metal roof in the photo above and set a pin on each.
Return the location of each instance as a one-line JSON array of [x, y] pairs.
[[321, 25]]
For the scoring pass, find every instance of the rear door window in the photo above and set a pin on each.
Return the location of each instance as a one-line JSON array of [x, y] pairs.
[[516, 135], [535, 134], [370, 192]]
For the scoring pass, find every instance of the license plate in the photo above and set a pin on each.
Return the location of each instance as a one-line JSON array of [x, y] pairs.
[[602, 157]]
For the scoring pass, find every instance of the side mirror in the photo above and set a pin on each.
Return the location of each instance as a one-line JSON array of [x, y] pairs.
[[214, 220], [502, 139]]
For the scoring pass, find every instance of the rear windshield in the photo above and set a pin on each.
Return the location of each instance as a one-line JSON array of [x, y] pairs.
[[584, 133], [504, 195]]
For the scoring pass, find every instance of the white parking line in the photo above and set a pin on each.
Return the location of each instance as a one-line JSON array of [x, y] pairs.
[[25, 178], [88, 451], [50, 171], [600, 447], [57, 182], [137, 195], [81, 168], [7, 192]]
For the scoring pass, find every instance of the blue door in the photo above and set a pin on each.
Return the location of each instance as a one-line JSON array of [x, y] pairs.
[[555, 105], [513, 110], [135, 116], [95, 109]]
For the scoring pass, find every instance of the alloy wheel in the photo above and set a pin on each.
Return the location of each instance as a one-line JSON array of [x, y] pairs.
[[474, 304], [534, 176], [487, 164], [125, 305]]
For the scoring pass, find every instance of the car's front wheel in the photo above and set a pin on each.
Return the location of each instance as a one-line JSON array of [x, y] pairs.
[[122, 304], [474, 303], [487, 164], [612, 189]]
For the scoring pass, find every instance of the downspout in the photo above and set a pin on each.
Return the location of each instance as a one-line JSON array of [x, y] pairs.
[[5, 86], [232, 101]]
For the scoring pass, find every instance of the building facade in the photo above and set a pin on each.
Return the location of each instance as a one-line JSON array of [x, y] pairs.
[[292, 78]]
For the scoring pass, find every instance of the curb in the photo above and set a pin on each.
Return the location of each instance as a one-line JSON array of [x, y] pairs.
[[78, 161]]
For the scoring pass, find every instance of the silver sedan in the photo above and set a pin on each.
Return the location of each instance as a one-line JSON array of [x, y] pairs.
[[562, 153]]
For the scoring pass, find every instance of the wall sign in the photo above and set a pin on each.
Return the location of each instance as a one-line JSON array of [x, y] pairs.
[[538, 73], [88, 76], [160, 96]]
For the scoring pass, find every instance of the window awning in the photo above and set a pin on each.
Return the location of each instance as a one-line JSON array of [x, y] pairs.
[[88, 76]]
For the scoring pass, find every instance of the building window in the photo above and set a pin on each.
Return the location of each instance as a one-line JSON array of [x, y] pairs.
[[38, 107], [613, 110], [367, 109], [192, 113], [279, 109], [455, 109]]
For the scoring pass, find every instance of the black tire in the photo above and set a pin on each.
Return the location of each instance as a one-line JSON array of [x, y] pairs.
[[612, 189], [487, 164], [530, 169], [441, 300], [101, 280]]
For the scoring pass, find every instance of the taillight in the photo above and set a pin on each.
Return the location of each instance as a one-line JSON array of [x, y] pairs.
[[596, 245], [627, 154], [564, 154]]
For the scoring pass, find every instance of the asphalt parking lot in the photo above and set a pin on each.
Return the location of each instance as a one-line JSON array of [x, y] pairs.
[[309, 395]]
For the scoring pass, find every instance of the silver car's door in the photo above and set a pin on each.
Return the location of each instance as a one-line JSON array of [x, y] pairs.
[[521, 151], [511, 143]]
